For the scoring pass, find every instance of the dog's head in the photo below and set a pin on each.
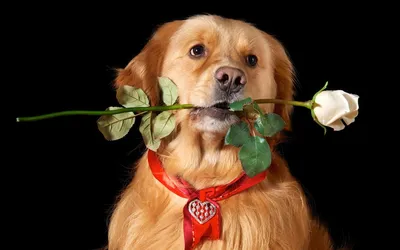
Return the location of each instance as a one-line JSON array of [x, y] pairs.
[[213, 61]]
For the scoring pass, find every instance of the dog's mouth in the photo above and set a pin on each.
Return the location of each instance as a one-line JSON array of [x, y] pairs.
[[219, 110], [221, 105]]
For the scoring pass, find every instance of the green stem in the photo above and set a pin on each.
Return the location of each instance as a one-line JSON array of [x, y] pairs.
[[105, 112], [307, 104]]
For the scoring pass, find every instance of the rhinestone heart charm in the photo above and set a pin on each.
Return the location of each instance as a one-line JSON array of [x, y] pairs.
[[202, 211]]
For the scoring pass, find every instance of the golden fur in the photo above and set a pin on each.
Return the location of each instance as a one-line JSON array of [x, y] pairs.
[[271, 215]]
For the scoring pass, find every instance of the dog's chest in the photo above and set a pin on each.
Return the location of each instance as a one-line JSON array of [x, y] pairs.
[[247, 223]]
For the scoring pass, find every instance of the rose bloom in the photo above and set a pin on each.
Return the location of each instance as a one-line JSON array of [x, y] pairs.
[[332, 108]]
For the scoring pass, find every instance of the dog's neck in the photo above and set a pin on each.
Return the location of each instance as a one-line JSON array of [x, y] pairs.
[[201, 159]]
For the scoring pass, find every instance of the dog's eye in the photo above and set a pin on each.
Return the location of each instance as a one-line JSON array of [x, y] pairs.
[[251, 60], [197, 51]]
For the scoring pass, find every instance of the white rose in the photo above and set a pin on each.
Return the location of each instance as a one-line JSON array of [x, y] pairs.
[[331, 107]]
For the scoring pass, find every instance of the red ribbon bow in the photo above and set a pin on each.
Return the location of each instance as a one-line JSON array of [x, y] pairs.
[[202, 217]]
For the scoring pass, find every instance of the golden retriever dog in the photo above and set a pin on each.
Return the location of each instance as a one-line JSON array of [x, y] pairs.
[[213, 60]]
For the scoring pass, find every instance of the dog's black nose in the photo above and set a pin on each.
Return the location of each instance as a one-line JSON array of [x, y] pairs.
[[230, 79]]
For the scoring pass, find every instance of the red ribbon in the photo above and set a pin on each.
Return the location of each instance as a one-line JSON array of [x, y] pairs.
[[202, 203]]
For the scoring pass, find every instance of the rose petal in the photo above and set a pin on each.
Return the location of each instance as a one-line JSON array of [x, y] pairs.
[[337, 125], [332, 106], [352, 100], [350, 117]]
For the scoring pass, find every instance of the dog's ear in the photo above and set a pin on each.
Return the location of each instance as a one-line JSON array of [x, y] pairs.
[[144, 69], [284, 78]]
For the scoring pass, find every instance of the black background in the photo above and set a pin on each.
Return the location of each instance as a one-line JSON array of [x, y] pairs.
[[69, 176]]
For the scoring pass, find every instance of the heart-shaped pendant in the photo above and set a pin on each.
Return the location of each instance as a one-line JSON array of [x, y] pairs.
[[202, 211]]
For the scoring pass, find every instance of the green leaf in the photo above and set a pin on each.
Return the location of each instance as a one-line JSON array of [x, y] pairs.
[[257, 108], [255, 156], [252, 111], [146, 129], [169, 90], [130, 97], [238, 134], [114, 127], [269, 124], [164, 124], [238, 105]]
